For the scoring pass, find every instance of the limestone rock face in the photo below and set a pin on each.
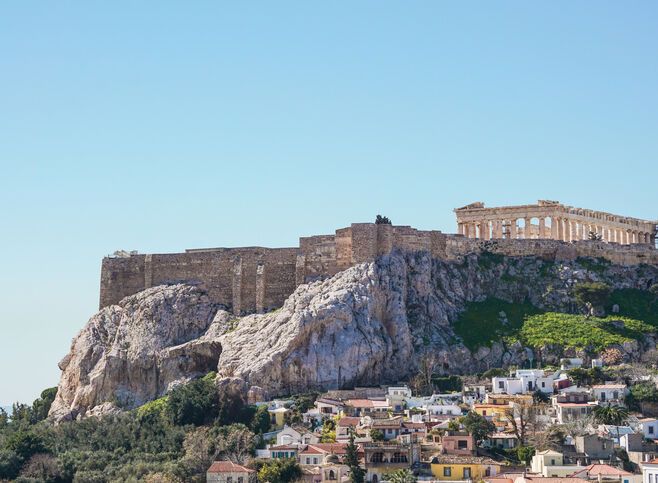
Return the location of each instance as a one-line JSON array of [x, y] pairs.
[[368, 325], [132, 352]]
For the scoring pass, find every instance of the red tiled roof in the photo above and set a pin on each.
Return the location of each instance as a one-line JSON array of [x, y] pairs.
[[598, 469], [283, 447], [324, 448], [541, 479], [349, 421], [227, 467]]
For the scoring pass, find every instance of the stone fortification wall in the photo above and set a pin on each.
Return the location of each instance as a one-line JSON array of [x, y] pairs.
[[458, 246], [243, 279], [259, 279]]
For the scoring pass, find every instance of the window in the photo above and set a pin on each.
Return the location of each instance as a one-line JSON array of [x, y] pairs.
[[543, 384], [240, 479], [315, 461], [615, 395], [552, 462], [447, 471], [377, 457], [332, 475], [229, 479], [650, 429], [467, 473], [501, 384], [603, 396], [462, 444], [399, 458]]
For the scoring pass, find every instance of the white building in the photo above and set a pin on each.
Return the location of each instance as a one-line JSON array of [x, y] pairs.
[[609, 393], [402, 391], [649, 427], [650, 471], [525, 381]]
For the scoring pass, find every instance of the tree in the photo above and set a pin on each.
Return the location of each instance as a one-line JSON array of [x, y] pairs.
[[280, 470], [551, 438], [328, 431], [427, 366], [540, 397], [401, 476], [195, 403], [525, 454], [641, 393], [611, 415], [478, 426], [595, 294], [234, 442], [382, 220], [10, 465], [357, 474], [523, 418], [376, 435], [261, 422], [593, 236], [42, 467], [25, 444]]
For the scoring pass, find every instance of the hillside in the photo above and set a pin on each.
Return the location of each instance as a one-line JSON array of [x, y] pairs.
[[367, 325]]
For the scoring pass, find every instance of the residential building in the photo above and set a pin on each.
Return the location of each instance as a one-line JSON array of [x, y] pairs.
[[296, 436], [594, 446], [454, 468], [650, 471], [315, 454], [550, 463], [284, 451], [386, 457], [609, 393], [457, 443], [567, 412], [600, 472], [229, 472]]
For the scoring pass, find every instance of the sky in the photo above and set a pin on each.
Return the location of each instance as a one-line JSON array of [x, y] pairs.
[[158, 126]]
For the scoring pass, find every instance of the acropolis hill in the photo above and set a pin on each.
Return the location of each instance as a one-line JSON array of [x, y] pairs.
[[258, 279]]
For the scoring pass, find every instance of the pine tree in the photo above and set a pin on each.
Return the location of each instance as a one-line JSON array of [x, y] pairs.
[[357, 474]]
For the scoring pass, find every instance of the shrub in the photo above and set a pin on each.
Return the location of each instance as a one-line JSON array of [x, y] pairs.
[[595, 293]]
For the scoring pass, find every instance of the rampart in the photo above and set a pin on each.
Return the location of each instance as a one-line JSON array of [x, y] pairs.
[[257, 279]]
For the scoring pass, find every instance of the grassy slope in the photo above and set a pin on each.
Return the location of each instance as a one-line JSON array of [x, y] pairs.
[[480, 325]]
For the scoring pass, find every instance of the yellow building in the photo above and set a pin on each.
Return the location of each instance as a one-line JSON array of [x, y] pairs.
[[278, 417], [491, 411], [452, 467]]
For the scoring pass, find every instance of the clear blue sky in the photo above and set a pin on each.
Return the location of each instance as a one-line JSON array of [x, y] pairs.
[[159, 126]]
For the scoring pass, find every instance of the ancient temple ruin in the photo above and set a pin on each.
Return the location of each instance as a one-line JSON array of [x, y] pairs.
[[552, 220]]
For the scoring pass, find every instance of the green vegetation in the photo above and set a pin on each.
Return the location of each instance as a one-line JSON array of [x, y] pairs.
[[478, 426], [639, 394], [567, 330], [637, 304], [173, 439], [447, 383], [481, 323], [487, 259], [596, 265], [281, 470], [595, 293]]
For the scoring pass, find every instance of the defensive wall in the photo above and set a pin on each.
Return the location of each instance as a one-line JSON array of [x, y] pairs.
[[257, 279]]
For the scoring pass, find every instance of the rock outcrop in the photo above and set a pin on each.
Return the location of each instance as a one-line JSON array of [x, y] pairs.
[[134, 351], [370, 324]]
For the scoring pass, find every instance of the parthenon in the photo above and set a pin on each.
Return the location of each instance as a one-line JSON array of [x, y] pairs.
[[552, 220]]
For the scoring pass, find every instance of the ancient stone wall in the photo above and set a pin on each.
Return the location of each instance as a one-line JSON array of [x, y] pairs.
[[243, 279], [257, 279]]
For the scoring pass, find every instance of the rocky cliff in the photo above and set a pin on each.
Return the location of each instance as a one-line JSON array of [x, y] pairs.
[[370, 324]]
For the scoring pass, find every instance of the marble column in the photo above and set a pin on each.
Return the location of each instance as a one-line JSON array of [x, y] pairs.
[[542, 228], [513, 229]]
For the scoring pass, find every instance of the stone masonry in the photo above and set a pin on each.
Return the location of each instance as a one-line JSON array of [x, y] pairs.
[[258, 279]]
